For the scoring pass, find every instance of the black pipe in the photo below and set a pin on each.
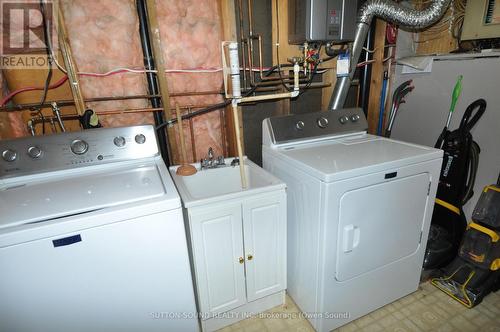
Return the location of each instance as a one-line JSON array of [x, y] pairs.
[[153, 86], [365, 74]]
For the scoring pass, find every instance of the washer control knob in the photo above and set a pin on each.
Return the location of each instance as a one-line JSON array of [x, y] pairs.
[[79, 146], [119, 141], [140, 139], [9, 155], [344, 119], [322, 122], [355, 117], [300, 125], [34, 152]]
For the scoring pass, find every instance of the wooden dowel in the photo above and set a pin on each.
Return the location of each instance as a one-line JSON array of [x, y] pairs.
[[181, 134], [239, 146]]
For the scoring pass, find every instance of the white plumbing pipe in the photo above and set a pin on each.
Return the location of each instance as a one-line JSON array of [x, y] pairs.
[[234, 66], [234, 70]]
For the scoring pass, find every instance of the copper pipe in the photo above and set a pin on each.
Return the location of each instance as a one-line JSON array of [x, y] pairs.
[[250, 61], [242, 43], [261, 74], [140, 110], [266, 89], [69, 63], [201, 93], [130, 110], [278, 83], [67, 102], [250, 18]]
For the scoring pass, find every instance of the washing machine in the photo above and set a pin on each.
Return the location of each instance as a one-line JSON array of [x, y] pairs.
[[359, 210], [92, 235]]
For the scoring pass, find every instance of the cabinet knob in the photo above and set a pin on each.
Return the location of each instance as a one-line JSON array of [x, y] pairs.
[[249, 257], [241, 260]]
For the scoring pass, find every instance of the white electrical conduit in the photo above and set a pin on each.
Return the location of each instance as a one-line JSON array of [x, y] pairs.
[[234, 71]]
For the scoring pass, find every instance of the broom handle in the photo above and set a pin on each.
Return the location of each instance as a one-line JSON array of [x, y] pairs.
[[238, 145]]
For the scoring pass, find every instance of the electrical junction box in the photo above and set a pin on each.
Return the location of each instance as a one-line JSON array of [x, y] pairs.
[[321, 21], [482, 20]]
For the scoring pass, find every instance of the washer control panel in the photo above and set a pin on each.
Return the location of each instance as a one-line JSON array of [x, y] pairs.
[[38, 154], [296, 127]]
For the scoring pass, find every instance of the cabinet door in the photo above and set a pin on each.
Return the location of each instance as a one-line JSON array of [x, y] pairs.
[[264, 224], [217, 247]]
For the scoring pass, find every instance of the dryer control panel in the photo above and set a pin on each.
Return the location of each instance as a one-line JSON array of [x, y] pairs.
[[297, 127], [39, 154]]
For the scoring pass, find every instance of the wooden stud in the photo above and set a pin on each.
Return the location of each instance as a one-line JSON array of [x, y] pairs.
[[377, 76], [228, 20], [69, 62]]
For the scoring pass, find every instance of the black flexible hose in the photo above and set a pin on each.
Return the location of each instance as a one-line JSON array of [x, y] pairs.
[[472, 170], [151, 78], [48, 51]]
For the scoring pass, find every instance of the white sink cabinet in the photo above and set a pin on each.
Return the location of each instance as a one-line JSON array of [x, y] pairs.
[[238, 250]]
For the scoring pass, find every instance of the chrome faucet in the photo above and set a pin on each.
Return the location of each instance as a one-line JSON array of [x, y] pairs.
[[210, 161]]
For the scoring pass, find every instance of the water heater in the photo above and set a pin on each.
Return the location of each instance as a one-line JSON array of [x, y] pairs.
[[321, 20]]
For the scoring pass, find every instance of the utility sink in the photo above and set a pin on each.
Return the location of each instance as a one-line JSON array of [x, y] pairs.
[[223, 183]]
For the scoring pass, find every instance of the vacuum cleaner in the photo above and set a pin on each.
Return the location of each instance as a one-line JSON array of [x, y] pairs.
[[455, 188], [475, 272]]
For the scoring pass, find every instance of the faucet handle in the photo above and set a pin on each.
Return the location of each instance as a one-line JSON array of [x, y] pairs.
[[203, 163]]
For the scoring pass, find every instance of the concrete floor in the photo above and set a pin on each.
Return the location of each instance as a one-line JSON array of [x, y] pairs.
[[428, 309]]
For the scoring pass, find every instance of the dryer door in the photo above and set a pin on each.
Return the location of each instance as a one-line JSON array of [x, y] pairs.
[[379, 223]]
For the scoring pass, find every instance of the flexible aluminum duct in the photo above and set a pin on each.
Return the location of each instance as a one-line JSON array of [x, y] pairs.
[[391, 12]]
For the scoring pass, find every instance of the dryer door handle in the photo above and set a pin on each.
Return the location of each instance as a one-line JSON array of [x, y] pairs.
[[351, 237]]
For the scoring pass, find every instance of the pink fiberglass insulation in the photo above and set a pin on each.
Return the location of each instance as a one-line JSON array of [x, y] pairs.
[[104, 36], [11, 124], [191, 35]]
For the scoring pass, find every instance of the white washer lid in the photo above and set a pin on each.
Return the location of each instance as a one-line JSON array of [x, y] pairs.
[[351, 156], [59, 196]]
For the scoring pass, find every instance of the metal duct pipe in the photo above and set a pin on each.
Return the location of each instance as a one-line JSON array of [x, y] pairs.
[[391, 12]]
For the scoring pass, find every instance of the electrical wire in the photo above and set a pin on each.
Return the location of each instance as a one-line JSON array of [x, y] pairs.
[[11, 95], [365, 63], [452, 23], [116, 71], [370, 51], [308, 84]]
